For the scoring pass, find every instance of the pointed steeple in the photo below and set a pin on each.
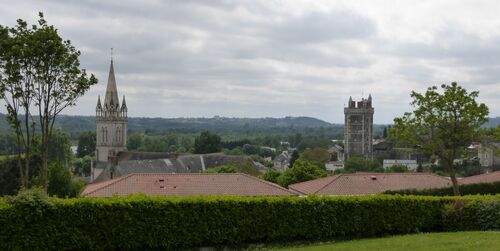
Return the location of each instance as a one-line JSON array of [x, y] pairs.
[[124, 104], [370, 97], [99, 106], [111, 92]]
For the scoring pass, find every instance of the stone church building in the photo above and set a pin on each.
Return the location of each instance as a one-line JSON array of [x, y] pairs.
[[113, 160], [111, 122], [358, 129]]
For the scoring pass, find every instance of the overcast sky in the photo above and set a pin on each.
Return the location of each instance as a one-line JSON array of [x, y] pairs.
[[276, 58]]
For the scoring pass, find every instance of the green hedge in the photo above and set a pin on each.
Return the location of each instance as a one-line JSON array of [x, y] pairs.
[[469, 189], [473, 213], [142, 222]]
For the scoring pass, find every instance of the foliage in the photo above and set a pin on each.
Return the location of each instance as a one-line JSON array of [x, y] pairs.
[[61, 183], [397, 168], [10, 180], [272, 175], [144, 223], [319, 156], [135, 141], [40, 72], [243, 167], [207, 142], [442, 124], [295, 156], [81, 166], [30, 202], [9, 176], [302, 171], [465, 189], [357, 164], [473, 214], [86, 144], [222, 169], [60, 148]]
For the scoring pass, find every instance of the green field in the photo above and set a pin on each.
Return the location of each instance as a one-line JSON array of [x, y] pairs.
[[435, 241]]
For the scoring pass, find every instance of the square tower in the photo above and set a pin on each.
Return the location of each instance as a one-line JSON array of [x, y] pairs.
[[358, 129]]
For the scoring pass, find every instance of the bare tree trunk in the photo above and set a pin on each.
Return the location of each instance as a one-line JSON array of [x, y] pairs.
[[451, 170]]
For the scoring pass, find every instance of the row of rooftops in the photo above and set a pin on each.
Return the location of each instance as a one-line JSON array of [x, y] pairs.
[[237, 184]]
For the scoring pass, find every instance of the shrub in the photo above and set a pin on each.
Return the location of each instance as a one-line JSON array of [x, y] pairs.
[[141, 222], [468, 189], [302, 170]]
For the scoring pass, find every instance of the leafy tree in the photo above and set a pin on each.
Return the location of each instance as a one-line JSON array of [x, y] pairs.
[[294, 157], [9, 176], [60, 148], [135, 141], [86, 144], [41, 73], [302, 171], [357, 164], [61, 183], [319, 156], [398, 168], [245, 167], [222, 169], [442, 124], [207, 143], [272, 176], [81, 166]]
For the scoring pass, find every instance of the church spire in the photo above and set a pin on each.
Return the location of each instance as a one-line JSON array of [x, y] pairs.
[[111, 92], [99, 106], [124, 104]]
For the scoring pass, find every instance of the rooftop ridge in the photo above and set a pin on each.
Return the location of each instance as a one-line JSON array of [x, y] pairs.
[[114, 181], [333, 178], [266, 182]]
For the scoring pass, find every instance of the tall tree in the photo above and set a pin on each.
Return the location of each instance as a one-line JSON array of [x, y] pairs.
[[207, 143], [45, 74], [86, 144], [16, 88], [442, 124]]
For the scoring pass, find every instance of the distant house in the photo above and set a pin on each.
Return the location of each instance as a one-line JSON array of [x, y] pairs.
[[282, 161], [185, 184], [409, 163], [488, 156], [369, 183], [336, 153], [334, 165]]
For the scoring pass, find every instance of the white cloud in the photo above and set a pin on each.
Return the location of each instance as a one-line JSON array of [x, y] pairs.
[[276, 58]]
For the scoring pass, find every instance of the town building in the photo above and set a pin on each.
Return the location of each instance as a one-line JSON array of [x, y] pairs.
[[358, 129], [111, 122], [411, 164], [113, 160]]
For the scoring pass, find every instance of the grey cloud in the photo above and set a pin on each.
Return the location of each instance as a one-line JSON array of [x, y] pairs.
[[320, 27]]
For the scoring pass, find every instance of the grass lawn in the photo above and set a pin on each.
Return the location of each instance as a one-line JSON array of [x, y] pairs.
[[435, 241]]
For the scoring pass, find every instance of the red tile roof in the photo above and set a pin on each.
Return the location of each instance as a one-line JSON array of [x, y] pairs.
[[185, 184], [369, 183], [481, 178]]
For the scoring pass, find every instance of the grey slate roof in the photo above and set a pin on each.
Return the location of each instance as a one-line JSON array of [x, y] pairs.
[[139, 162]]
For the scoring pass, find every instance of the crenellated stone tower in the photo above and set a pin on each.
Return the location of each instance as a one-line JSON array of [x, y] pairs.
[[111, 121], [358, 129]]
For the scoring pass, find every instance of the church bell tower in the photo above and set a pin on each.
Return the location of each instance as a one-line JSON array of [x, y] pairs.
[[111, 122]]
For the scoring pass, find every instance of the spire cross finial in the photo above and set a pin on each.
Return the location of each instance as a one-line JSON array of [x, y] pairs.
[[111, 53]]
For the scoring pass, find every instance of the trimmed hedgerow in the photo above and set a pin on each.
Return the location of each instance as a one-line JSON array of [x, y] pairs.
[[468, 189], [473, 213], [141, 222]]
